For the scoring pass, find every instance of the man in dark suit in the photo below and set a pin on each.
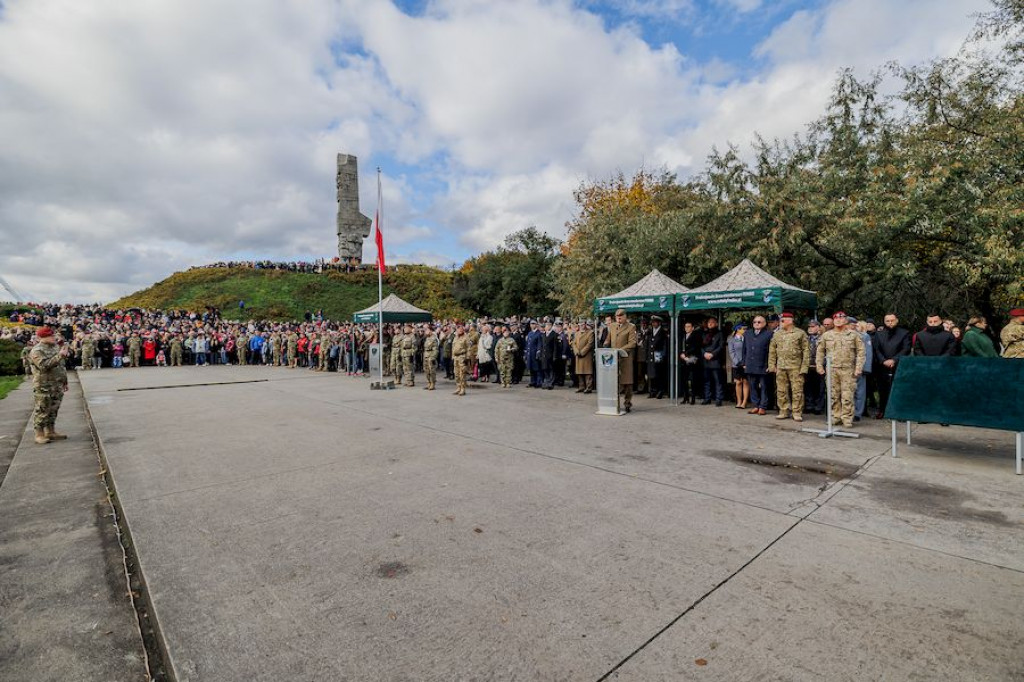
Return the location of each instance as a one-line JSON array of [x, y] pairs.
[[691, 363], [549, 348], [713, 356], [533, 352], [755, 358], [519, 362], [657, 359], [892, 342]]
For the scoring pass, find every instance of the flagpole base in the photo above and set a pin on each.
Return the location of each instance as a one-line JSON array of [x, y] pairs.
[[828, 433]]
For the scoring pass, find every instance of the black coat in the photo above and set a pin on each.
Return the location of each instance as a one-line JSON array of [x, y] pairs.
[[933, 341], [714, 343], [657, 343], [692, 345], [550, 348], [891, 344]]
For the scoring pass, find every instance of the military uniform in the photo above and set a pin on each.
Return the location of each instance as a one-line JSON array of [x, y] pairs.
[[461, 356], [583, 348], [409, 358], [1012, 338], [242, 348], [25, 364], [505, 353], [293, 350], [623, 337], [88, 350], [431, 347], [789, 357], [846, 351], [49, 380], [396, 357], [135, 351], [177, 351]]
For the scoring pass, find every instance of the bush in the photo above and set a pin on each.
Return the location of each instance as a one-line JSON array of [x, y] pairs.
[[10, 358]]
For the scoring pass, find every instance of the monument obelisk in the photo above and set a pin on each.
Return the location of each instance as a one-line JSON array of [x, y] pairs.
[[353, 226]]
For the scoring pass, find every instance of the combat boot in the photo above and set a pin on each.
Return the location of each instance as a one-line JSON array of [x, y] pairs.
[[41, 437], [53, 435]]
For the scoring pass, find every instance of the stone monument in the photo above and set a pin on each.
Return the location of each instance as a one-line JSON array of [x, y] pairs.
[[353, 226]]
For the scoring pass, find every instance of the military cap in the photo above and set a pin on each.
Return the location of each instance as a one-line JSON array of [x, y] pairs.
[[43, 332], [813, 323], [656, 318], [773, 318], [786, 316], [1017, 312]]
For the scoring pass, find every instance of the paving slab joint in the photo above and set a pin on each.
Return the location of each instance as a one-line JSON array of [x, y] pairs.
[[18, 433], [154, 644]]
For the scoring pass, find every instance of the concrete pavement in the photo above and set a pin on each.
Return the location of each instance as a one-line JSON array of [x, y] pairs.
[[305, 528], [65, 613]]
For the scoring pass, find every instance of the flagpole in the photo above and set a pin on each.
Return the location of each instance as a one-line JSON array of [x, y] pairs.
[[380, 283]]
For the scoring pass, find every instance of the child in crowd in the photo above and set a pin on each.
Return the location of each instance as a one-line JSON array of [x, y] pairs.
[[118, 353]]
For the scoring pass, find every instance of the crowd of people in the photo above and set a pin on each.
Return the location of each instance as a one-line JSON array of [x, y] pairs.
[[311, 267], [768, 364]]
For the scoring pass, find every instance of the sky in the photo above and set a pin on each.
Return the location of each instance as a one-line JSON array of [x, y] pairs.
[[140, 138]]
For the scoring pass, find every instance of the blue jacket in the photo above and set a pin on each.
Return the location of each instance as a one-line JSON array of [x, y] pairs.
[[533, 346], [256, 343], [755, 351]]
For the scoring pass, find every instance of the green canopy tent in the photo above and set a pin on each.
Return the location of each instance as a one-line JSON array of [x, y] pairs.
[[746, 286], [395, 310], [655, 293]]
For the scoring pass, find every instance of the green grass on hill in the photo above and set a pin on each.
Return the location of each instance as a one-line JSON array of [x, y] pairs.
[[8, 384], [279, 295]]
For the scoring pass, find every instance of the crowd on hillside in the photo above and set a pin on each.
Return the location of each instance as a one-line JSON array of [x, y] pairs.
[[715, 363], [308, 267]]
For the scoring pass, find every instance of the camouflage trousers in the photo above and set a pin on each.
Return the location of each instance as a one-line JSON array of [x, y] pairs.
[[789, 383], [430, 368], [176, 358], [461, 371], [506, 372], [844, 387], [135, 357], [409, 369], [47, 403]]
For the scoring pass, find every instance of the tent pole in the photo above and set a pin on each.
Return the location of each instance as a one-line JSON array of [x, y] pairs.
[[673, 388]]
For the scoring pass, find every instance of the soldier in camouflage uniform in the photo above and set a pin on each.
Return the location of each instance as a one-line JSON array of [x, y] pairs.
[[135, 349], [49, 382], [88, 350], [25, 364], [505, 353], [242, 347], [1012, 336], [325, 351], [275, 350], [409, 356], [396, 356], [461, 357], [431, 347], [177, 350], [789, 357], [845, 349], [293, 350]]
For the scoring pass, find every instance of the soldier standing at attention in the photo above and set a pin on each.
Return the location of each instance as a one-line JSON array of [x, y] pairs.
[[241, 347], [396, 356], [842, 347], [135, 349], [505, 352], [789, 357], [49, 383], [622, 337], [177, 350], [460, 356], [583, 349], [293, 350], [409, 356], [1012, 336], [88, 350], [431, 347]]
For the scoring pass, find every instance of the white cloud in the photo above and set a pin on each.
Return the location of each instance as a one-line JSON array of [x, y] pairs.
[[140, 138]]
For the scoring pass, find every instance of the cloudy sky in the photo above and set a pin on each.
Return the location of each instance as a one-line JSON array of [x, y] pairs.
[[138, 138]]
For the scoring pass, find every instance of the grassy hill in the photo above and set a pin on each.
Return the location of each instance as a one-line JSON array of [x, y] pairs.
[[280, 295]]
